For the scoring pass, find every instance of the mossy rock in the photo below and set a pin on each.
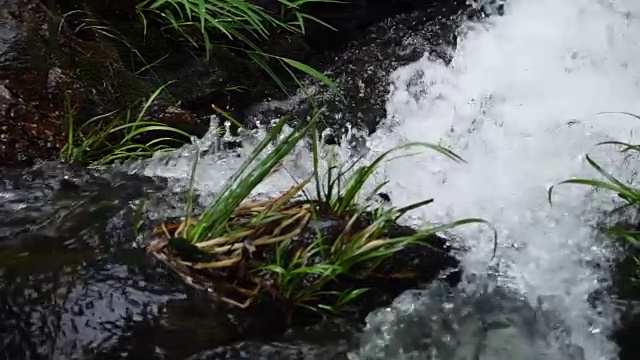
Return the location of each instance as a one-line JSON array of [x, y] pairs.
[[45, 65], [200, 81]]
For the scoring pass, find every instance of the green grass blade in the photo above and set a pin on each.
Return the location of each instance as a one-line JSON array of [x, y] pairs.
[[357, 181], [236, 190], [310, 71]]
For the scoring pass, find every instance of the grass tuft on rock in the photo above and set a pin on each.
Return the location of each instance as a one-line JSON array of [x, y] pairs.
[[239, 25], [118, 136], [293, 251]]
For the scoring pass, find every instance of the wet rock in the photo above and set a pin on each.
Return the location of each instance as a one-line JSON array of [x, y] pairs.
[[98, 68], [480, 321], [353, 18], [625, 290], [329, 340], [626, 333], [75, 282], [362, 71], [253, 291], [43, 66], [159, 55], [54, 200], [205, 81]]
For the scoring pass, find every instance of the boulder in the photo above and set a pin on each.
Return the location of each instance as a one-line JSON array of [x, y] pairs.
[[362, 70], [47, 73], [49, 58]]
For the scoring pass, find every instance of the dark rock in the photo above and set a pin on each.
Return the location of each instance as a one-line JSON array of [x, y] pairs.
[[227, 79], [38, 202], [626, 293], [202, 82], [352, 18], [47, 59], [626, 333], [622, 288], [74, 285], [362, 71], [42, 66]]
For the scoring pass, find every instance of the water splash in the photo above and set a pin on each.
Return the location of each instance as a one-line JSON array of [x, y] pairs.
[[520, 103]]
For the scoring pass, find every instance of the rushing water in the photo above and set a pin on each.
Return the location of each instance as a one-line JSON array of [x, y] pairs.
[[520, 103]]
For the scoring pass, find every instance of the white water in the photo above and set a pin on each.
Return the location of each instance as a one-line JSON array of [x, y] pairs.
[[505, 105]]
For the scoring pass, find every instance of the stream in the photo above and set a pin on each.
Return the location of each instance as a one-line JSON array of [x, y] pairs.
[[522, 102]]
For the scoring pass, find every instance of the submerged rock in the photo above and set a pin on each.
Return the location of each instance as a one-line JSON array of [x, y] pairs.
[[55, 200], [480, 321]]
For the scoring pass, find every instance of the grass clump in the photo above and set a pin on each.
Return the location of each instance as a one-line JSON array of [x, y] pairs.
[[321, 253], [629, 236], [236, 24], [116, 136]]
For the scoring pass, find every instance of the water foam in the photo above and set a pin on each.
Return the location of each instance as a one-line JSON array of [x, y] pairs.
[[519, 103]]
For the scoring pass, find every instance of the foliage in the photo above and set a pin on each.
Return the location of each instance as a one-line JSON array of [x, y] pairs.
[[82, 20], [201, 22], [629, 193], [281, 248], [114, 136]]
